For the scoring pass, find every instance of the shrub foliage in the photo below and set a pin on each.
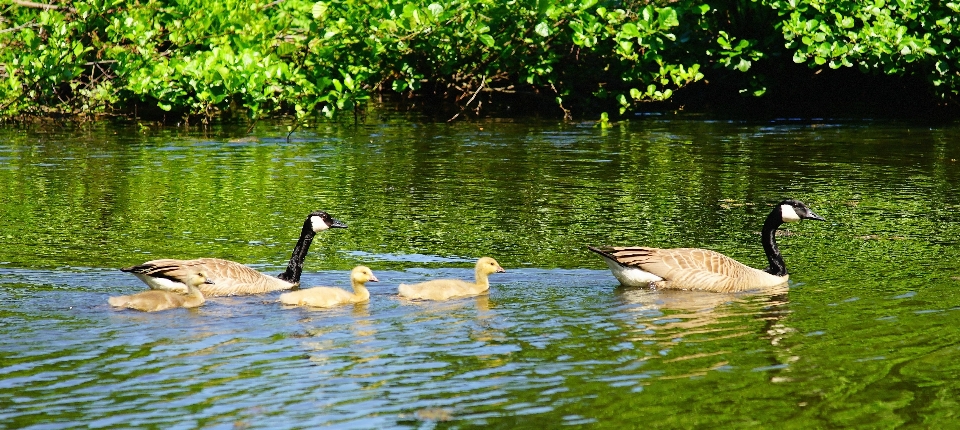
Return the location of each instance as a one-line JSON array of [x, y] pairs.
[[202, 59]]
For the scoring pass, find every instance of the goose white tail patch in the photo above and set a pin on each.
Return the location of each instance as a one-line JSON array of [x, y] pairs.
[[788, 214], [631, 276]]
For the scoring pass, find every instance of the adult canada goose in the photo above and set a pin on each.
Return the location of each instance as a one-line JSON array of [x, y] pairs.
[[701, 269], [442, 289], [234, 278], [158, 300], [328, 297]]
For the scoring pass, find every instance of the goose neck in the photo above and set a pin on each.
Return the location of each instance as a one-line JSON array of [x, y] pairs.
[[295, 266], [360, 291], [194, 294], [769, 239], [482, 280]]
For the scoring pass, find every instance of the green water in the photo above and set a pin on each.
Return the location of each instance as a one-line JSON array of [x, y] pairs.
[[865, 336]]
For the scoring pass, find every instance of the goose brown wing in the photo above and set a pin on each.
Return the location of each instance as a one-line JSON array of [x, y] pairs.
[[688, 268], [229, 277]]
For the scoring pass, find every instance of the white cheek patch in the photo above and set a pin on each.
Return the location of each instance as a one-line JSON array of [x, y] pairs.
[[788, 214], [317, 223]]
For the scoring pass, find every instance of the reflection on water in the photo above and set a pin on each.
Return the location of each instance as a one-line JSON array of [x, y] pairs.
[[668, 317], [865, 335]]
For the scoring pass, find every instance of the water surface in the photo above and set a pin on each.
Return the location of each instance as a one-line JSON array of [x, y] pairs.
[[864, 335]]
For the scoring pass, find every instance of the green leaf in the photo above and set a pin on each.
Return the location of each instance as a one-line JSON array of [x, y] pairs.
[[667, 18], [486, 39], [630, 30], [319, 10], [542, 29]]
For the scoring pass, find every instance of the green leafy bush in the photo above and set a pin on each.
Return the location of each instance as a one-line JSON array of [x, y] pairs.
[[901, 37], [203, 59]]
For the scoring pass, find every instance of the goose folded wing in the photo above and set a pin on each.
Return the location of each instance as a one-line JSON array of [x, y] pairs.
[[228, 276]]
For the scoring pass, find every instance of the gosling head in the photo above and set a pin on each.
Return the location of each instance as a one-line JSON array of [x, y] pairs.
[[488, 265], [199, 278], [320, 220], [363, 274], [793, 211]]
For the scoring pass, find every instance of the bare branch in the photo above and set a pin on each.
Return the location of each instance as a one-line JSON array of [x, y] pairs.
[[45, 6], [29, 24], [483, 81]]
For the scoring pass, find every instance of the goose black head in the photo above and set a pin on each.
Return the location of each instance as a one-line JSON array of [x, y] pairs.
[[793, 211], [320, 220]]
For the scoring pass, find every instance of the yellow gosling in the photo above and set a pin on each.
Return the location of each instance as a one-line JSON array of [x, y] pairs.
[[158, 300], [328, 297], [443, 289]]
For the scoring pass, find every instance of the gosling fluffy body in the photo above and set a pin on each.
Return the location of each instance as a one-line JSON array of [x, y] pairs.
[[328, 297], [233, 278], [443, 289], [158, 300], [702, 269]]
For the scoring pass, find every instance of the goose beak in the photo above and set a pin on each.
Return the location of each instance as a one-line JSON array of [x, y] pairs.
[[209, 281], [338, 224], [813, 216], [500, 270], [374, 279]]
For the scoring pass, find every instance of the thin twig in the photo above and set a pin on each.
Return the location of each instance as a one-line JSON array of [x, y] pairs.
[[271, 4], [296, 125], [29, 24], [44, 6], [483, 81]]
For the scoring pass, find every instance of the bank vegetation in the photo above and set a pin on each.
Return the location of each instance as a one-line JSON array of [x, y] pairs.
[[200, 60]]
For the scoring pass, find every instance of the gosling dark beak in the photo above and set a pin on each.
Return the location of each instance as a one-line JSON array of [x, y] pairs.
[[208, 281], [338, 224]]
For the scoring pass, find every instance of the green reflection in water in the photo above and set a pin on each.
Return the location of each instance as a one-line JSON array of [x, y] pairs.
[[866, 335]]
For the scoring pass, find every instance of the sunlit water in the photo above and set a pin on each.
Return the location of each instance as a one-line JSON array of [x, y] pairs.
[[865, 334]]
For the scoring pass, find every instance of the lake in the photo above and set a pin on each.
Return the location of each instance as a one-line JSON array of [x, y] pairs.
[[865, 335]]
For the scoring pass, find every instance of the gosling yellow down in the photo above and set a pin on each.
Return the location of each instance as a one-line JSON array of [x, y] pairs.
[[328, 297], [443, 289], [158, 300]]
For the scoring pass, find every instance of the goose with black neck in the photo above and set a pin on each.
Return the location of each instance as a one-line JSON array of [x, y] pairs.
[[232, 278], [702, 269]]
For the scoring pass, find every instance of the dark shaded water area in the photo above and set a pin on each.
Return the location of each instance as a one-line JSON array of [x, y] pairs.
[[864, 335]]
